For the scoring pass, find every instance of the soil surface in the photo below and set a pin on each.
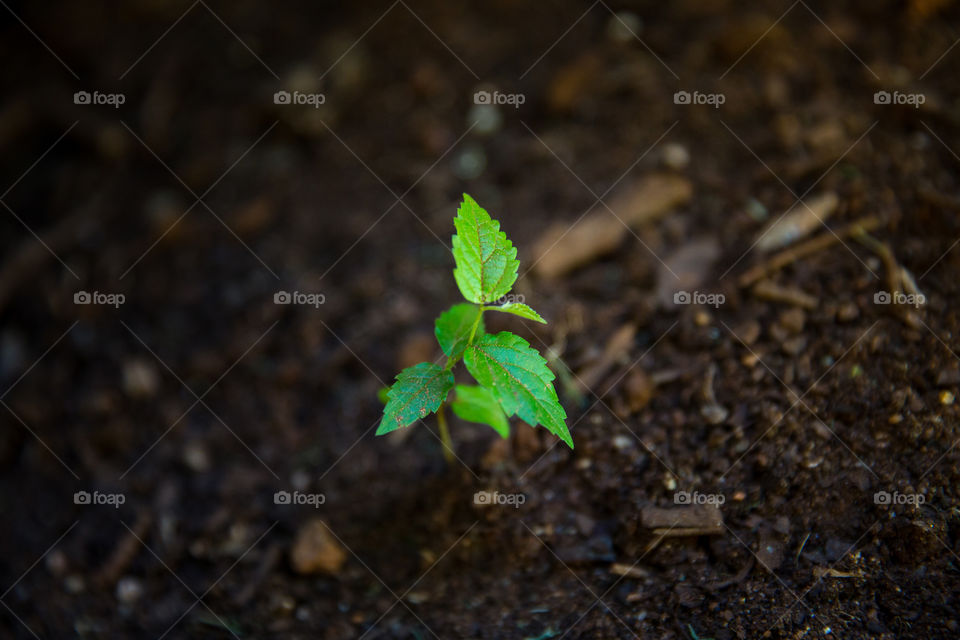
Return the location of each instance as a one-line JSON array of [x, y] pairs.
[[772, 462]]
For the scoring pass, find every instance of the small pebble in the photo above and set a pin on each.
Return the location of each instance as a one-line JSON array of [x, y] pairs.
[[316, 550], [848, 312], [140, 378], [794, 346], [56, 562], [195, 456], [624, 27], [793, 320], [622, 442], [670, 482], [129, 590], [486, 119], [282, 604], [74, 584], [675, 156], [946, 398], [756, 210], [749, 332], [714, 413], [470, 163]]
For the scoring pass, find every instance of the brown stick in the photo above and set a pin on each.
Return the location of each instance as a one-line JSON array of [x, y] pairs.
[[821, 242]]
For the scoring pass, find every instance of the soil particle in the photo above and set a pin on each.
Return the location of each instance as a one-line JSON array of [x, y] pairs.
[[316, 550]]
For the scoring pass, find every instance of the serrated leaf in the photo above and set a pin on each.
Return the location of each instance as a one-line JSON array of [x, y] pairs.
[[486, 261], [418, 391], [454, 325], [478, 404], [519, 309], [519, 378]]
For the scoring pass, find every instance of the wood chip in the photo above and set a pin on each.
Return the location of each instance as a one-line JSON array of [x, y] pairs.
[[771, 291], [562, 248], [798, 222], [316, 550], [629, 571], [682, 520]]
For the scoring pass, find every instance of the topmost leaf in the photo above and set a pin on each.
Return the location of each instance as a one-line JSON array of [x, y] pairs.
[[486, 261]]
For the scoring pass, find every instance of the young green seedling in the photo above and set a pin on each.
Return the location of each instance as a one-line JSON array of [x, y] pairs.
[[513, 378]]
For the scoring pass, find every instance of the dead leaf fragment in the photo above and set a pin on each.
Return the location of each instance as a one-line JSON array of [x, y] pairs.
[[686, 268], [562, 248], [798, 222]]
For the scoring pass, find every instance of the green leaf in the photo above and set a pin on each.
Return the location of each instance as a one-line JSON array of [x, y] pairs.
[[419, 390], [478, 404], [519, 309], [519, 378], [454, 325], [383, 394], [486, 261]]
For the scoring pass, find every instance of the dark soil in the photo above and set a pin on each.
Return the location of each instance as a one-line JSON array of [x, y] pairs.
[[198, 398]]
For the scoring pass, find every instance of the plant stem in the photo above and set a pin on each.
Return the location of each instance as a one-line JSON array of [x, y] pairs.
[[476, 323], [441, 414], [445, 434]]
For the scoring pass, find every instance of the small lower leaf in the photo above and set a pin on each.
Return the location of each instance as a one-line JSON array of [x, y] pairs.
[[518, 309], [454, 325], [478, 404], [418, 391]]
